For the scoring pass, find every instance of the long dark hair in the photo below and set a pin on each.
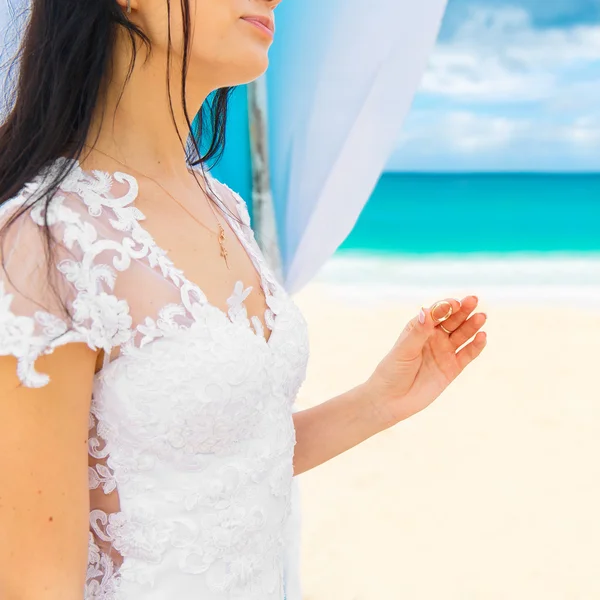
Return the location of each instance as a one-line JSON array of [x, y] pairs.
[[64, 63]]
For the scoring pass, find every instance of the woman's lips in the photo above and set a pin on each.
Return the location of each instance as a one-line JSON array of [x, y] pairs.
[[264, 24]]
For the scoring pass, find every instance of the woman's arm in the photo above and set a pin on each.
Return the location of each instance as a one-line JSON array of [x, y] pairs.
[[423, 363], [44, 497], [330, 429]]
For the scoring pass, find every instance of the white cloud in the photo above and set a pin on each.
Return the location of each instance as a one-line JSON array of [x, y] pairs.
[[462, 131], [497, 55], [583, 132], [473, 133], [469, 133], [464, 76], [467, 141]]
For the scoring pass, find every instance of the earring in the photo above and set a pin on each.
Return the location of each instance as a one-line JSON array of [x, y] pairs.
[[128, 7]]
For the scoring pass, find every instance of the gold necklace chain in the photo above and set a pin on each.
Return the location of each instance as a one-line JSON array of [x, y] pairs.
[[221, 238]]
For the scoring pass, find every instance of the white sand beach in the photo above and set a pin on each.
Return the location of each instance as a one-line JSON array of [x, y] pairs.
[[491, 494]]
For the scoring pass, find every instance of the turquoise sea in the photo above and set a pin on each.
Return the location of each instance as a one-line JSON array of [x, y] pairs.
[[492, 214]]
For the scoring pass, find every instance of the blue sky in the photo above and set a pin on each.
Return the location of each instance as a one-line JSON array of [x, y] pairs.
[[513, 85]]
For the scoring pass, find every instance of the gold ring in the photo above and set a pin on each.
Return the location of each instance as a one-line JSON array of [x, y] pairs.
[[446, 316], [445, 330]]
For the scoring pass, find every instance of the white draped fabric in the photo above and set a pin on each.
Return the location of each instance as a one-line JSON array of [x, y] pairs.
[[341, 82], [342, 79]]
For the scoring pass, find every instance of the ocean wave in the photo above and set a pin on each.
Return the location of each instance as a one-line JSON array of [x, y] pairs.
[[544, 277]]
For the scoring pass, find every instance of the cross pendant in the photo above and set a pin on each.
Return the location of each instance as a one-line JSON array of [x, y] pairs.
[[224, 256], [224, 253]]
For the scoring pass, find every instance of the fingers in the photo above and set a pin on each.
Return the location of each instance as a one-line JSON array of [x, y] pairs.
[[462, 328], [467, 306], [441, 310], [468, 329], [471, 351]]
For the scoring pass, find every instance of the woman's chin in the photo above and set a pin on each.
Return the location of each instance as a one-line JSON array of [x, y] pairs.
[[250, 69]]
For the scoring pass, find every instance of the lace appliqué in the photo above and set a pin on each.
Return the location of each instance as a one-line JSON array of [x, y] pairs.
[[98, 317]]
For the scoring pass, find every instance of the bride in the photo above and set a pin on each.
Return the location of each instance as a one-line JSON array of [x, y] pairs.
[[149, 360]]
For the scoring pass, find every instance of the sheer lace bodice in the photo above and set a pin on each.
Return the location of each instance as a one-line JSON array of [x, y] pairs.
[[191, 433]]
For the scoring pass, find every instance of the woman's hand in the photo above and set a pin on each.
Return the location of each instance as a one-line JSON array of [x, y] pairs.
[[422, 364], [426, 359]]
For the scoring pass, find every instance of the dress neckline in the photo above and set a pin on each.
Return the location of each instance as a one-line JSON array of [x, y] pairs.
[[181, 281]]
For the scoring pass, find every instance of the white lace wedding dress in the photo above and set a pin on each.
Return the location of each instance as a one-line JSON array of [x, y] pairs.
[[191, 435]]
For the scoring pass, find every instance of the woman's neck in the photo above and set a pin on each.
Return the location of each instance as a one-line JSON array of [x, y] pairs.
[[138, 126]]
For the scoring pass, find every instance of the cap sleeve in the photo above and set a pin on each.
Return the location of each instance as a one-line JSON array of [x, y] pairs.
[[66, 298]]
